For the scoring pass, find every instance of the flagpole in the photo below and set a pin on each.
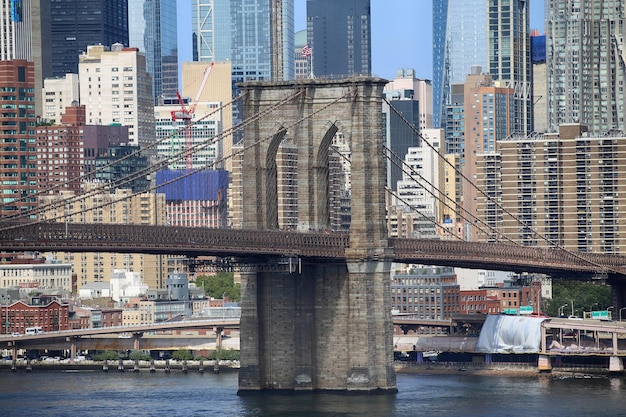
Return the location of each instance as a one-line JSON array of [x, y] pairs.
[[311, 76], [308, 53]]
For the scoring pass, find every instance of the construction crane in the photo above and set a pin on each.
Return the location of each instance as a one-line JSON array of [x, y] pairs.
[[186, 114]]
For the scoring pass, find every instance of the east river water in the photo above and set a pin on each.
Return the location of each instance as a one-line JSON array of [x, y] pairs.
[[96, 393]]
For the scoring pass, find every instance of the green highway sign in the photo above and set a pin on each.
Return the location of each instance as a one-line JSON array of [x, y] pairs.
[[600, 315], [510, 311], [526, 309]]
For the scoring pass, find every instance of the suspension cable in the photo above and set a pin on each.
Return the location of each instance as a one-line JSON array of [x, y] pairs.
[[206, 167]]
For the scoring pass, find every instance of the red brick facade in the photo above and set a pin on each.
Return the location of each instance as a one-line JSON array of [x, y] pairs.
[[18, 316]]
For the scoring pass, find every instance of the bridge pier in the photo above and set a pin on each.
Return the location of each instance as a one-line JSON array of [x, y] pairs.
[[616, 366], [72, 341], [329, 327], [544, 364], [136, 338], [323, 330]]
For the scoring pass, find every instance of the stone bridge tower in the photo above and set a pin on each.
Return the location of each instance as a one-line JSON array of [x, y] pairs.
[[328, 327]]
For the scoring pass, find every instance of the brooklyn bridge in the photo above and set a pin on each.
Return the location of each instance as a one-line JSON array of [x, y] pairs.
[[325, 322]]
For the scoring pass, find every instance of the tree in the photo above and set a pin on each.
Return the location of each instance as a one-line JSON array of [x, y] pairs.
[[584, 296], [138, 355], [109, 355], [220, 285], [182, 355]]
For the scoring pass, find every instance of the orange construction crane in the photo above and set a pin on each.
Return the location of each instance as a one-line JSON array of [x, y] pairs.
[[186, 114]]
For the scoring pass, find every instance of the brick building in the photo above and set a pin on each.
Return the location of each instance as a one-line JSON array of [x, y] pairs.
[[51, 317]]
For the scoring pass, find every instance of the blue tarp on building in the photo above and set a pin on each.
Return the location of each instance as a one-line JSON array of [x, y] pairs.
[[179, 185]]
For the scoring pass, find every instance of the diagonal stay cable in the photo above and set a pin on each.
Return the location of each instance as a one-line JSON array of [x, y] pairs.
[[208, 166], [516, 218], [117, 161], [158, 166], [434, 195]]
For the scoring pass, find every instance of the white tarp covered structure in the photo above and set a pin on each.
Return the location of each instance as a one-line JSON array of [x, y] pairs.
[[510, 334]]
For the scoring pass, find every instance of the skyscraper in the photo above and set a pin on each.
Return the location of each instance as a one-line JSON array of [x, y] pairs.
[[152, 29], [585, 64], [18, 177], [256, 36], [116, 89], [494, 36], [79, 23], [509, 56], [340, 34], [459, 42], [25, 35]]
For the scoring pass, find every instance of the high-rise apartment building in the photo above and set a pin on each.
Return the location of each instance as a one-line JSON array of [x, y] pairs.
[[453, 121], [540, 79], [418, 190], [60, 153], [585, 64], [115, 88], [564, 187], [152, 28], [123, 168], [459, 41], [76, 24], [59, 93], [120, 207], [340, 34], [174, 137], [489, 117], [509, 56], [18, 176], [494, 35], [25, 34], [256, 36]]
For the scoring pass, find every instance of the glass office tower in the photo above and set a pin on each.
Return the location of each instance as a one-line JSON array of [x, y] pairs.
[[340, 34], [256, 36], [76, 24], [152, 29], [459, 42]]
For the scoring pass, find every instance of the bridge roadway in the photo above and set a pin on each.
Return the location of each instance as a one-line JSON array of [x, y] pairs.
[[259, 246]]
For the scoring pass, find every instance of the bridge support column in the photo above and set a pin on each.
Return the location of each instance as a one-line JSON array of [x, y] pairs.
[[136, 340], [370, 332], [616, 366], [543, 364], [326, 329], [72, 341]]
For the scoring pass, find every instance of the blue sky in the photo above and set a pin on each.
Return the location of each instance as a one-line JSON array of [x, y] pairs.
[[401, 33]]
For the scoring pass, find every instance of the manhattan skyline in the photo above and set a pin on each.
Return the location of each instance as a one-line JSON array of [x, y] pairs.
[[401, 34]]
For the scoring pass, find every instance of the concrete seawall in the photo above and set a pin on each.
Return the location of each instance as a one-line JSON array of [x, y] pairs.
[[114, 366]]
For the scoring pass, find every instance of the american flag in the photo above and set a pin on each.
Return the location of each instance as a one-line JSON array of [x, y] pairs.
[[306, 51]]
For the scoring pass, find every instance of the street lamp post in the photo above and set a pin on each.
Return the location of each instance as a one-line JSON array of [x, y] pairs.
[[609, 309], [620, 313], [560, 310]]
